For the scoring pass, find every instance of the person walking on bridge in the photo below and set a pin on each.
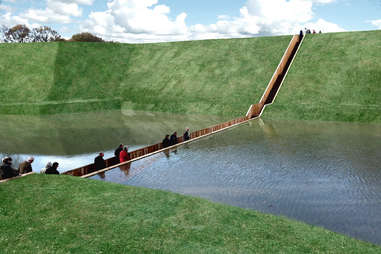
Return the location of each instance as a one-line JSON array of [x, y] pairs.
[[99, 162], [117, 151], [53, 169], [173, 139], [186, 136], [6, 170], [300, 35], [26, 166], [165, 141], [124, 155]]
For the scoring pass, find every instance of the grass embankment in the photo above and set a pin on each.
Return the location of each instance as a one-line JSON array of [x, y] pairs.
[[61, 214], [221, 77], [335, 77]]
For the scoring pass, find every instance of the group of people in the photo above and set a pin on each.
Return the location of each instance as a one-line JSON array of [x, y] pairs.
[[121, 155], [309, 31], [172, 140], [7, 171]]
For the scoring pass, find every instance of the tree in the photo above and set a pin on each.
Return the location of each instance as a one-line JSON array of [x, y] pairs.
[[21, 33], [44, 34], [3, 29], [18, 33], [86, 37]]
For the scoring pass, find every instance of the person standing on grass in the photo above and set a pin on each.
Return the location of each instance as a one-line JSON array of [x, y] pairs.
[[26, 166], [124, 156], [53, 169], [6, 170], [117, 151], [99, 162], [165, 142], [186, 136], [173, 139]]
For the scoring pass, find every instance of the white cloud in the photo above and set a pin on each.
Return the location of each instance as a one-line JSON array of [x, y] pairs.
[[376, 23], [84, 2], [325, 26], [56, 11], [59, 7], [5, 8], [151, 21], [45, 16], [137, 21], [148, 21], [267, 17], [9, 20]]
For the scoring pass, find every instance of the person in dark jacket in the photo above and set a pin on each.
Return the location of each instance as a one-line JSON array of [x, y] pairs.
[[165, 142], [300, 35], [53, 169], [173, 139], [26, 166], [6, 170], [186, 135], [99, 162], [117, 151]]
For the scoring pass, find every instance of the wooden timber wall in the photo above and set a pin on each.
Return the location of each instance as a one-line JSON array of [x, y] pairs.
[[277, 78], [89, 170]]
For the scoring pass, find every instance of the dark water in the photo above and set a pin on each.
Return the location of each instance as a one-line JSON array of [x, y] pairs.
[[325, 174], [74, 140]]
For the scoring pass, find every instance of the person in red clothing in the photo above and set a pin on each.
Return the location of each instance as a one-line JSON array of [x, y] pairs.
[[124, 155]]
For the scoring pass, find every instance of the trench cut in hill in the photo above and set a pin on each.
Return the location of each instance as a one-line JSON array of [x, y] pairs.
[[334, 77], [215, 77]]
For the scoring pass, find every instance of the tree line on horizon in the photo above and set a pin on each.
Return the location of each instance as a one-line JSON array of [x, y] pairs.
[[23, 34]]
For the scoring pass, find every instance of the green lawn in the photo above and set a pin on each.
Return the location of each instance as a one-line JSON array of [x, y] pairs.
[[220, 77], [335, 77], [63, 214]]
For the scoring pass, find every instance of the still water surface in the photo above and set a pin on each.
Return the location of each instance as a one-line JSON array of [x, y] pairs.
[[74, 140], [325, 174]]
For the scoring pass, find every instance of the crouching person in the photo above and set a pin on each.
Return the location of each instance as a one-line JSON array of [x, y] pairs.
[[6, 170]]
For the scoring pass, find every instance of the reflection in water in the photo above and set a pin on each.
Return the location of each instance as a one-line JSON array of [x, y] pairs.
[[325, 174], [102, 175], [74, 140], [166, 153], [125, 169], [84, 133]]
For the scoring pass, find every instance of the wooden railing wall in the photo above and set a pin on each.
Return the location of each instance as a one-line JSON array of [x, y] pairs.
[[111, 163], [277, 78]]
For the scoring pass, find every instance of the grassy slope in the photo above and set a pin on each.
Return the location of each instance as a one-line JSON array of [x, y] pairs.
[[214, 76], [335, 77], [220, 77], [61, 214]]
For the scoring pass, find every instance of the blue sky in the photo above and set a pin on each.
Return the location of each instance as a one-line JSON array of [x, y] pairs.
[[171, 20]]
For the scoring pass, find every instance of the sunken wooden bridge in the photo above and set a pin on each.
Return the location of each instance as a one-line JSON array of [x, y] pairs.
[[254, 111]]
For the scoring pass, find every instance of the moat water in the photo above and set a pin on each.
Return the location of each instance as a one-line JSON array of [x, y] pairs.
[[325, 174]]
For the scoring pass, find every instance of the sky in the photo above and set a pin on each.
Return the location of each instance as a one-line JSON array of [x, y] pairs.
[[141, 21]]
